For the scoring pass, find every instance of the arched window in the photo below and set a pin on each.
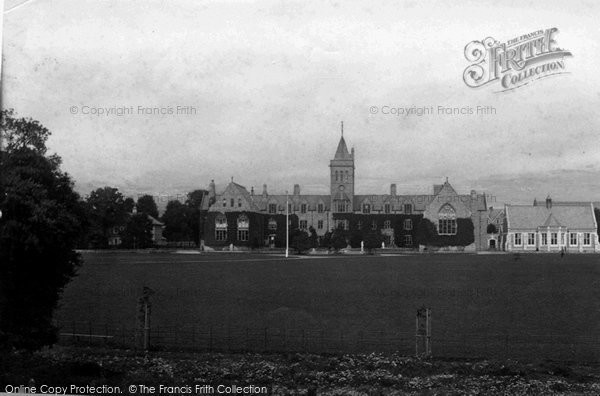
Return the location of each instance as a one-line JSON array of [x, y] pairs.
[[272, 224], [243, 228], [447, 220], [336, 175], [221, 227], [347, 177], [239, 202]]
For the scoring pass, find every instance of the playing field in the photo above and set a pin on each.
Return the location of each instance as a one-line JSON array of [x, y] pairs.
[[486, 305]]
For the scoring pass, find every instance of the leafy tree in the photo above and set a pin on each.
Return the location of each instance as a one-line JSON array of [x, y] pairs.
[[314, 238], [106, 209], [299, 240], [491, 228], [40, 225], [138, 232], [146, 204], [373, 240], [338, 238], [176, 222], [194, 218], [326, 240]]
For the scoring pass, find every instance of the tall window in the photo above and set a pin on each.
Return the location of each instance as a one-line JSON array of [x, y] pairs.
[[408, 224], [303, 208], [587, 239], [272, 208], [531, 239], [336, 175], [387, 224], [408, 240], [447, 220], [320, 208], [303, 224], [224, 202], [272, 224], [408, 208], [347, 178], [386, 208], [573, 237], [544, 239], [320, 224], [231, 202], [554, 238], [221, 228], [243, 227], [341, 206], [366, 208], [374, 225], [359, 225], [239, 202], [290, 209], [518, 240], [341, 223]]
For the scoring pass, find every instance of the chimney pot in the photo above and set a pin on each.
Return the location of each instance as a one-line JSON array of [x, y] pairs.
[[393, 189], [296, 189]]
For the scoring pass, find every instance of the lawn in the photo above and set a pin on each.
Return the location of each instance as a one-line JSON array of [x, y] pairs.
[[482, 305]]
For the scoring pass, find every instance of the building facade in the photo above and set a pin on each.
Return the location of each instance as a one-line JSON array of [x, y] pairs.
[[551, 227], [246, 218]]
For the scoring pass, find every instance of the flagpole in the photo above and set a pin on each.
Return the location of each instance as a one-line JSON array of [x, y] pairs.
[[287, 224]]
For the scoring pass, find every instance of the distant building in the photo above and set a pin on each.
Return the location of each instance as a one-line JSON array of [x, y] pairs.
[[552, 227], [116, 232], [244, 218]]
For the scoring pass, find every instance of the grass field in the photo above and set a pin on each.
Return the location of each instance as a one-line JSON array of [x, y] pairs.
[[534, 306]]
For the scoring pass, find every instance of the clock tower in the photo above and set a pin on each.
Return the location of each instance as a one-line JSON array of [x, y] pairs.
[[341, 169]]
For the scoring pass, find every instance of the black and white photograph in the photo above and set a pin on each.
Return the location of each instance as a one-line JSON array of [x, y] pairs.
[[299, 197]]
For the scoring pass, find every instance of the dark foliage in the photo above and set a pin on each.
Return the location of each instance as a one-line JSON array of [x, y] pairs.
[[145, 204], [40, 225], [106, 208], [137, 233], [491, 229]]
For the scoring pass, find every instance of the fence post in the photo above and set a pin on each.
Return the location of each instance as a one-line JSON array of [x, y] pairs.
[[210, 338]]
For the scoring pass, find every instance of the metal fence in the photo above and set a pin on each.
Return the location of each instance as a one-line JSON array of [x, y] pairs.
[[223, 338]]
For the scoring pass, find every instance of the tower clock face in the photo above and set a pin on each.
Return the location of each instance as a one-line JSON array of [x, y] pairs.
[[341, 188]]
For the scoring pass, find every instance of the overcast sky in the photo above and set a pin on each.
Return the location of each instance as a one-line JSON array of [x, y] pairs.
[[271, 81]]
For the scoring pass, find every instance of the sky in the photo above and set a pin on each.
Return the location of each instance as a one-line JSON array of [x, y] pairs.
[[270, 81]]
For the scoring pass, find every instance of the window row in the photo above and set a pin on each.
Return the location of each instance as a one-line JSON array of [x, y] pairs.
[[387, 208], [272, 208], [532, 237]]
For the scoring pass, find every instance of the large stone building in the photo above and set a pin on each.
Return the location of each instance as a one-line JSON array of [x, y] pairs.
[[248, 218]]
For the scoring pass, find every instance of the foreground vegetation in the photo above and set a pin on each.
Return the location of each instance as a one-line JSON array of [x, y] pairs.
[[372, 374]]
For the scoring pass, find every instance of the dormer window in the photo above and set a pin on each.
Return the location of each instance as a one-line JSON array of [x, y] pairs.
[[231, 201], [366, 208]]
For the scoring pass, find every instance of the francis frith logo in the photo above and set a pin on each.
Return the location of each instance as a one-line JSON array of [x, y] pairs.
[[516, 62]]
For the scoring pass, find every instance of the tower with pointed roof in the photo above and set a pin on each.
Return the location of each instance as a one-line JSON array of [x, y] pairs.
[[341, 169]]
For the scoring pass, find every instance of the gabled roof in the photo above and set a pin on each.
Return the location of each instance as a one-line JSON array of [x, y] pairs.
[[523, 217]]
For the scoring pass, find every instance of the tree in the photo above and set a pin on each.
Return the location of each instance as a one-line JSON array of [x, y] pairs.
[[299, 240], [145, 204], [338, 238], [373, 240], [194, 221], [314, 238], [138, 232], [40, 225], [106, 209], [491, 228], [176, 222]]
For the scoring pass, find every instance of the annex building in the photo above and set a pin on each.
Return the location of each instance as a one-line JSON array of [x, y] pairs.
[[442, 219], [551, 227]]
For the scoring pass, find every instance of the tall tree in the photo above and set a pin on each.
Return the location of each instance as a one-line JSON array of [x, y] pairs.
[[194, 220], [39, 229], [145, 204], [106, 209], [176, 222], [138, 232]]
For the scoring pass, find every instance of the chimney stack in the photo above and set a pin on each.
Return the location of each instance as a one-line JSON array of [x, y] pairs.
[[296, 189], [393, 189], [264, 190], [252, 190], [212, 189], [548, 202], [473, 195]]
